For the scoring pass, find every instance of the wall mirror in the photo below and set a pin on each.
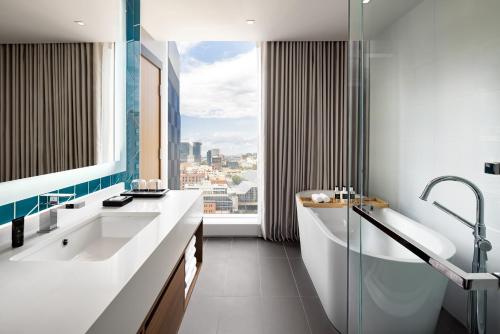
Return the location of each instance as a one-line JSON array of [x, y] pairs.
[[62, 87]]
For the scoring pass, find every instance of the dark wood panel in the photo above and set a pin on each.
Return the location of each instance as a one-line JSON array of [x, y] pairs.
[[166, 318]]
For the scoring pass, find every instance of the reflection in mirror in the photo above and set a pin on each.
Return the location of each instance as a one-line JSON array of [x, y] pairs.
[[58, 91]]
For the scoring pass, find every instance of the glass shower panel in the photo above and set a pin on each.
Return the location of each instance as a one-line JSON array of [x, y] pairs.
[[425, 237]]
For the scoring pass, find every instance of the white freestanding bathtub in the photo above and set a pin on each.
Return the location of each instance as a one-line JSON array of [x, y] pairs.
[[399, 292]]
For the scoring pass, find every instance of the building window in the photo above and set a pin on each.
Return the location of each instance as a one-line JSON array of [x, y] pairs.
[[219, 106]]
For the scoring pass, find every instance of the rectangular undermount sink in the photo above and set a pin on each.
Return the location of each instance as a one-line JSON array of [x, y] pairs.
[[96, 240]]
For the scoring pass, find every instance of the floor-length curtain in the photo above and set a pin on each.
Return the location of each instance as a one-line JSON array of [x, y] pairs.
[[46, 108], [305, 126]]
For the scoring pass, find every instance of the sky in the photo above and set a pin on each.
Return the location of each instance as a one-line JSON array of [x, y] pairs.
[[219, 95]]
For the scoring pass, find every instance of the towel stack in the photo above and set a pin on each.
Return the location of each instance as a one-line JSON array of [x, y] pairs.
[[320, 198], [190, 264]]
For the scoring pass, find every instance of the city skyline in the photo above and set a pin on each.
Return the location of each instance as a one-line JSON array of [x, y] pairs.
[[204, 153]]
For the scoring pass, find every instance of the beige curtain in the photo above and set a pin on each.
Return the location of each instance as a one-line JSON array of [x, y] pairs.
[[46, 108], [305, 126]]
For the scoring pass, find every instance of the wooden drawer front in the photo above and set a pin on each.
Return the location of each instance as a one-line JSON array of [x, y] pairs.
[[168, 313]]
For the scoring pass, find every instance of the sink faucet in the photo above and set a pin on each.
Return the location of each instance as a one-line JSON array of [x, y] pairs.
[[476, 306], [50, 224]]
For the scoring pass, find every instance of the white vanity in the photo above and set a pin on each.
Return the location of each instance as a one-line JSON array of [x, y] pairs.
[[104, 270]]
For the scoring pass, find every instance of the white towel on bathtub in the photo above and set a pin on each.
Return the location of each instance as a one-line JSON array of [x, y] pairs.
[[320, 198]]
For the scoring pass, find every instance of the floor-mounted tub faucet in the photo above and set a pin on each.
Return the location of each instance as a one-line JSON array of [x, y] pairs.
[[476, 307]]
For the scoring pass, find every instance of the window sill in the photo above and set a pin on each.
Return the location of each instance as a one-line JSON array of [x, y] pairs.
[[244, 225]]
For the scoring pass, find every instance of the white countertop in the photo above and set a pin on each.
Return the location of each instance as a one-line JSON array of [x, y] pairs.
[[111, 296]]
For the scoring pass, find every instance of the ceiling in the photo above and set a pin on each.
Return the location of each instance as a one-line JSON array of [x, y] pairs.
[[379, 14], [24, 21], [197, 20], [191, 20]]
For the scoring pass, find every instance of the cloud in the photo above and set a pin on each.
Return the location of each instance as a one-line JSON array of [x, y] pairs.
[[228, 88], [184, 47]]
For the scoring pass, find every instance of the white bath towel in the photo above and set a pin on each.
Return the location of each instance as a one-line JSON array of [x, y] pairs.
[[189, 274], [189, 280], [189, 253], [189, 266], [320, 198], [192, 242]]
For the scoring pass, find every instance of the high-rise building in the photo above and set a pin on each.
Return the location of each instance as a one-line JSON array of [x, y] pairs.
[[197, 151], [212, 153], [209, 157], [184, 151], [217, 163], [174, 117]]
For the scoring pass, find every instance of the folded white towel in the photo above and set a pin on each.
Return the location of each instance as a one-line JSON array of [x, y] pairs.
[[192, 242], [189, 266], [189, 279], [190, 252], [320, 198], [189, 274]]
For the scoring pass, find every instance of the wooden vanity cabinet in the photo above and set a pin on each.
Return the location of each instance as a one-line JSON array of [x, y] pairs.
[[166, 315]]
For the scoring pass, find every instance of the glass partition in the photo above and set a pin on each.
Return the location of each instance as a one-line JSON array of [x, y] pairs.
[[426, 222]]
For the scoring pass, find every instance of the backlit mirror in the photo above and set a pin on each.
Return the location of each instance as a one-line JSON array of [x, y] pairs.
[[62, 90]]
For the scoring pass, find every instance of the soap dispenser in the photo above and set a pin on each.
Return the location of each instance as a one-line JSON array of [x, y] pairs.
[[18, 232]]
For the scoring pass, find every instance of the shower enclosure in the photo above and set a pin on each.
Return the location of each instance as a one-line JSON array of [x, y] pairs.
[[424, 88]]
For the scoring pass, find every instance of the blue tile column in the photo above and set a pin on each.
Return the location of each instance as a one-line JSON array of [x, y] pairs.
[[132, 90]]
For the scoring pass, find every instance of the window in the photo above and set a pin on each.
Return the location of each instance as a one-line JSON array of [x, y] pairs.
[[219, 106]]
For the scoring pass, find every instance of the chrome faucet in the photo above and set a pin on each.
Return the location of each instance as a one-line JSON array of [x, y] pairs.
[[53, 199], [476, 306]]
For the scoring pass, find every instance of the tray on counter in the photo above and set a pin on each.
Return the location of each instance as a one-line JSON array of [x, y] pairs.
[[145, 193]]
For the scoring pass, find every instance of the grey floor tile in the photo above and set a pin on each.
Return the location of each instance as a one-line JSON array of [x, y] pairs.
[[283, 316], [270, 249], [244, 247], [243, 278], [217, 248], [302, 278], [276, 278], [212, 278], [201, 316], [447, 324], [318, 320], [292, 249], [240, 315]]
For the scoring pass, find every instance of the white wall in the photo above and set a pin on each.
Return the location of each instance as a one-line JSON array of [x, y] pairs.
[[435, 110]]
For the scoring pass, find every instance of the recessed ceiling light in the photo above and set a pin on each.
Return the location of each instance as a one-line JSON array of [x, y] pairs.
[[79, 22], [250, 21], [366, 1]]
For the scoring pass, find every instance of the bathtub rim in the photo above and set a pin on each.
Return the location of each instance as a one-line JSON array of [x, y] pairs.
[[449, 249]]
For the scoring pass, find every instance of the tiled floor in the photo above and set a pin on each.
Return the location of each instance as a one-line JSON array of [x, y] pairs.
[[252, 286], [248, 285]]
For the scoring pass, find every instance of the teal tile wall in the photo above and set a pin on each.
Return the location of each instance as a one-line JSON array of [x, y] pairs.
[[32, 205], [37, 203], [6, 213]]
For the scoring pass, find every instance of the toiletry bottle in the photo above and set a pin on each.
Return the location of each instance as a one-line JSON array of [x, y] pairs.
[[336, 194], [18, 232], [352, 193], [344, 193]]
